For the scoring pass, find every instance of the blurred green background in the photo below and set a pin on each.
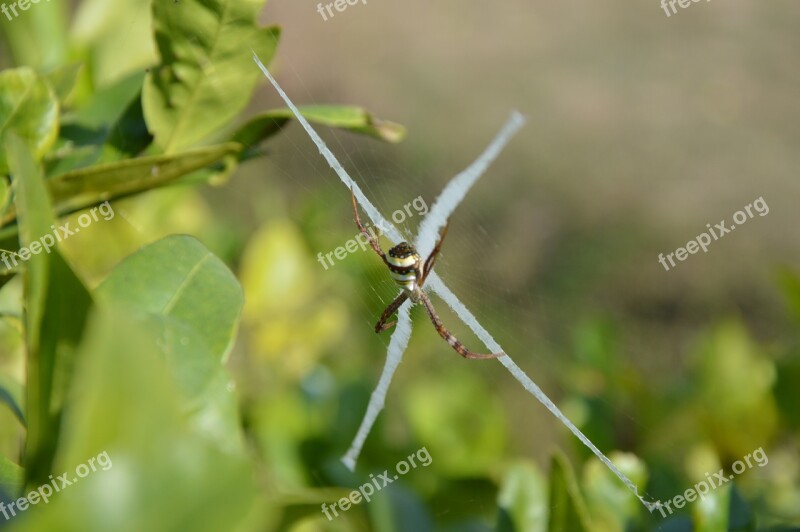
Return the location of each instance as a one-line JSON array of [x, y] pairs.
[[641, 130]]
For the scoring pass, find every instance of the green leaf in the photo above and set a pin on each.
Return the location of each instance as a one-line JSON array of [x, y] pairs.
[[128, 136], [162, 474], [63, 79], [29, 108], [567, 509], [116, 36], [191, 298], [206, 74], [12, 394], [612, 505], [177, 277], [37, 36], [348, 117], [523, 500], [710, 514], [789, 281], [83, 188], [10, 478], [56, 303]]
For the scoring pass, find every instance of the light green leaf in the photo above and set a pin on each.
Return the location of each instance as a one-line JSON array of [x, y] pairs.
[[710, 514], [611, 504], [63, 79], [523, 500], [29, 108], [206, 74], [10, 477], [117, 36], [177, 277], [162, 474], [191, 298], [348, 117], [37, 36]]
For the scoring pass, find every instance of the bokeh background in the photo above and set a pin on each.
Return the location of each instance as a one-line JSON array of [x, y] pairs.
[[641, 129]]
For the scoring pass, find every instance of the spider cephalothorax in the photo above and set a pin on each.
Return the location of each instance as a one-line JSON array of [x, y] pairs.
[[404, 263]]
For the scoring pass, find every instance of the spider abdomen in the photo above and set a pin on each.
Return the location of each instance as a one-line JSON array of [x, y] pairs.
[[403, 261]]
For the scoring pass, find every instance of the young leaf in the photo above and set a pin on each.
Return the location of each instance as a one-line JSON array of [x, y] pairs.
[[205, 77]]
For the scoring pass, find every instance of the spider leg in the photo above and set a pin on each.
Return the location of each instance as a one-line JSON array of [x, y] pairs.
[[374, 243], [448, 336], [431, 260], [390, 310]]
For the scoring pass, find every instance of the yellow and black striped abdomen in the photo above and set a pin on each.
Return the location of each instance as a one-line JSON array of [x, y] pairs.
[[403, 264]]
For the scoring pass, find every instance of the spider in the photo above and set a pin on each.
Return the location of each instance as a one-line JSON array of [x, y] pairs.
[[404, 263]]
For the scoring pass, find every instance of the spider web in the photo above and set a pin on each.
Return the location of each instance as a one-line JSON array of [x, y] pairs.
[[453, 194]]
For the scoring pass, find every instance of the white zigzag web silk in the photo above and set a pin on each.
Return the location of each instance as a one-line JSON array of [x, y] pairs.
[[445, 204]]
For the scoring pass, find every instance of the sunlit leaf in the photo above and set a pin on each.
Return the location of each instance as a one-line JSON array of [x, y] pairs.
[[523, 500], [206, 75], [611, 504], [117, 36], [37, 36]]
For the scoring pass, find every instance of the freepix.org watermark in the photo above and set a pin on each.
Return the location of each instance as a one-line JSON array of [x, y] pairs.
[[62, 233], [366, 490], [719, 230], [683, 3], [351, 246], [703, 488], [24, 5], [44, 492], [340, 6]]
